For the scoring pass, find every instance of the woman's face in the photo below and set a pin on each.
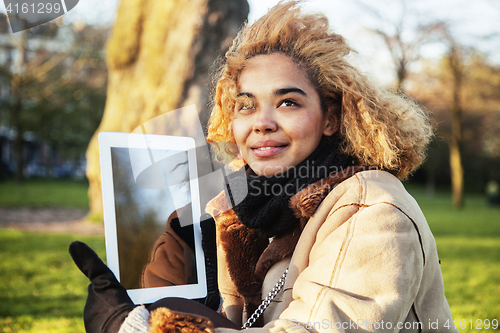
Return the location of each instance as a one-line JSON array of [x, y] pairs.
[[278, 121]]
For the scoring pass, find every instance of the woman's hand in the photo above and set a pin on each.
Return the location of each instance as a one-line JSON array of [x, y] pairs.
[[108, 303]]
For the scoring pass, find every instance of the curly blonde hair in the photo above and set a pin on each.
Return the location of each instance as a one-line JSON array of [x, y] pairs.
[[377, 127]]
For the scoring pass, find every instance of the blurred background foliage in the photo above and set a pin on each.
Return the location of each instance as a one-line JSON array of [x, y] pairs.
[[52, 94]]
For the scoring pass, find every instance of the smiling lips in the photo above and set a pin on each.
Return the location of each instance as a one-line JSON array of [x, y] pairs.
[[268, 148]]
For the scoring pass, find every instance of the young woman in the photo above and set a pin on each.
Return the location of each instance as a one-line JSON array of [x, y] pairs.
[[323, 236]]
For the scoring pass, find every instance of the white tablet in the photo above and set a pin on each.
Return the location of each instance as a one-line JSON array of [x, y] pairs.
[[151, 215]]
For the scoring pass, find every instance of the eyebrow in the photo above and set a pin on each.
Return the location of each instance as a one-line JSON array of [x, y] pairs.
[[245, 94], [279, 92], [284, 91]]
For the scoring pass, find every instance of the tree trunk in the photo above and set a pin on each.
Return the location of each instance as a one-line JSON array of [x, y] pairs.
[[457, 171], [457, 174], [17, 108], [18, 139], [159, 56]]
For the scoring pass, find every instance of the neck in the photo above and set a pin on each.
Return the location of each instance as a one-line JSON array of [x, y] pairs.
[[266, 204]]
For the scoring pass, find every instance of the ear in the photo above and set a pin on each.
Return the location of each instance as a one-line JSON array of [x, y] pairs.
[[331, 124]]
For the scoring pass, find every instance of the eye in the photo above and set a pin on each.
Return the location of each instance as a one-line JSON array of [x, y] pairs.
[[288, 103], [245, 103], [245, 106]]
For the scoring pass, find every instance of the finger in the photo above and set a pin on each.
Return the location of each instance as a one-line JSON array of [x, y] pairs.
[[88, 261]]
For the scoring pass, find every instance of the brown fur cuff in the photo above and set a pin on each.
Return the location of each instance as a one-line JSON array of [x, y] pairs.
[[164, 320]]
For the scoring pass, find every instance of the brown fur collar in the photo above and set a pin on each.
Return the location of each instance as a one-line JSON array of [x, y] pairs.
[[305, 202], [243, 247], [248, 255]]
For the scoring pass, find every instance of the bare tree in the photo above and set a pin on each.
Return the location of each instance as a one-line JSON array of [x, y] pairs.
[[457, 171], [403, 51], [448, 89], [455, 63], [16, 107], [406, 51]]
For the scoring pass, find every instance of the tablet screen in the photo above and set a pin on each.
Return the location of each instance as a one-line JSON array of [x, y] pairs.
[[151, 211]]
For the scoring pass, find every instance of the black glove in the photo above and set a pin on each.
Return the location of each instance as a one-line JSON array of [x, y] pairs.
[[208, 243], [108, 303], [209, 246]]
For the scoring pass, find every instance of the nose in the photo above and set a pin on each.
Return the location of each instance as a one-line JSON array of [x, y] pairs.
[[266, 121]]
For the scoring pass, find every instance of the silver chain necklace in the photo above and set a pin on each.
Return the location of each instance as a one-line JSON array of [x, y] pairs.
[[265, 303]]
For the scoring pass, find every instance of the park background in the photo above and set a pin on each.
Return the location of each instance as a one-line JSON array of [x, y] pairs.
[[112, 66]]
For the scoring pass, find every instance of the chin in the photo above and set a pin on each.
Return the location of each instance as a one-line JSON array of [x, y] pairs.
[[272, 170]]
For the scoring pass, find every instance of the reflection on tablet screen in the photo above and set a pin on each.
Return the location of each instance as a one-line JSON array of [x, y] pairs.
[[153, 219]]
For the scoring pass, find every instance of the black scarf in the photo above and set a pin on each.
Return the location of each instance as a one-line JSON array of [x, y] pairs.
[[265, 207]]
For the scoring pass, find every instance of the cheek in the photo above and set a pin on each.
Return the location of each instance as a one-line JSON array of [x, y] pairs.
[[307, 129], [238, 131]]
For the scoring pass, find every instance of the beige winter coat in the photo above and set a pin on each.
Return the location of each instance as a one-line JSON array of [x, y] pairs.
[[364, 259]]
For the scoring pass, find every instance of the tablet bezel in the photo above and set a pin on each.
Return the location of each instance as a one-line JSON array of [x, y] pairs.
[[109, 140]]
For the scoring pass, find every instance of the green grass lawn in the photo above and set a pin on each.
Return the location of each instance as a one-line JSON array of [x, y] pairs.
[[41, 290], [468, 243], [44, 193]]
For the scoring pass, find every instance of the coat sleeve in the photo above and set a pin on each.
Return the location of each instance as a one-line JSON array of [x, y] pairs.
[[361, 275], [171, 262]]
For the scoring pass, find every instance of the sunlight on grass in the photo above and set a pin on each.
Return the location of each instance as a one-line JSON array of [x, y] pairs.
[[44, 193], [468, 242], [42, 290], [471, 271], [30, 324]]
